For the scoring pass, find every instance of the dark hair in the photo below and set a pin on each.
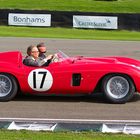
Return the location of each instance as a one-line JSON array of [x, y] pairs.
[[40, 44], [29, 49]]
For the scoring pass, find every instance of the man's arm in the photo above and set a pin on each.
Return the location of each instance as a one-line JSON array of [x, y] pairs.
[[30, 62]]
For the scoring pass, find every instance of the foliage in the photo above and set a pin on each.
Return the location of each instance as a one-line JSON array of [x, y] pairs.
[[119, 6]]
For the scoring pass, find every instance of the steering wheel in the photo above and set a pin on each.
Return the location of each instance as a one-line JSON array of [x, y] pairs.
[[55, 58]]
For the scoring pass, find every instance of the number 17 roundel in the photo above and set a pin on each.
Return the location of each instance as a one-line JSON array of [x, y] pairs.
[[40, 80]]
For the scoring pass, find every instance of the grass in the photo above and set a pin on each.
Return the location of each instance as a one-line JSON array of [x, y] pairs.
[[120, 6], [32, 135], [70, 33]]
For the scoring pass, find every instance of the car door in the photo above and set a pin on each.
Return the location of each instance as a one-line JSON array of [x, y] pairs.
[[57, 78]]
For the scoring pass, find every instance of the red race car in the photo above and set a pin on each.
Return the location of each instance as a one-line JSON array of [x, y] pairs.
[[118, 78]]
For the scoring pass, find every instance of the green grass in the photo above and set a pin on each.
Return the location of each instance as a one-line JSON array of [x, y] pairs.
[[32, 135], [120, 6], [71, 33]]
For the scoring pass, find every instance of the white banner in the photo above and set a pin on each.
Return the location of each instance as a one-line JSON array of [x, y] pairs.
[[99, 22], [29, 19]]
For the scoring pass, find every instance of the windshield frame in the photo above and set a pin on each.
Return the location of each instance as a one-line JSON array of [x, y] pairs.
[[62, 54]]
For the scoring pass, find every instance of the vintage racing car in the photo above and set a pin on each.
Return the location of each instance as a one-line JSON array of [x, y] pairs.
[[118, 78]]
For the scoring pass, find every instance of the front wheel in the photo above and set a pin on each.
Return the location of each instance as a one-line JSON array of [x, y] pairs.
[[118, 88], [8, 87]]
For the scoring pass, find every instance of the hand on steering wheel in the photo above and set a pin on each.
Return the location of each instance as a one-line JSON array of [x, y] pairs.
[[55, 58]]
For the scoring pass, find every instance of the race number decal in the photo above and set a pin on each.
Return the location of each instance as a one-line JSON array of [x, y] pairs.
[[40, 79]]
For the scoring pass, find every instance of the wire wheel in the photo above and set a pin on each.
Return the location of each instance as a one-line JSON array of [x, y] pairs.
[[5, 85], [8, 87], [118, 87]]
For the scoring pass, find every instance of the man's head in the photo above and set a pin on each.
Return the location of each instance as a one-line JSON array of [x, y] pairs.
[[42, 48], [33, 51]]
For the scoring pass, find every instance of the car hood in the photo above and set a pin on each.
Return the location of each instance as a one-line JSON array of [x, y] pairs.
[[107, 60]]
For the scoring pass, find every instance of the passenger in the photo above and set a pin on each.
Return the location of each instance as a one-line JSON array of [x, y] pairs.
[[33, 58]]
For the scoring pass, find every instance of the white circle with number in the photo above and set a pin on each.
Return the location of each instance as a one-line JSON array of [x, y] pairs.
[[40, 80]]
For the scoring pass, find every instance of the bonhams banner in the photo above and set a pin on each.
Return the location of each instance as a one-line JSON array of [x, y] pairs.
[[29, 19], [98, 22]]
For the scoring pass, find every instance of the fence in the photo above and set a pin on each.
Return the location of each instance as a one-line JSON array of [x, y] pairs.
[[65, 19]]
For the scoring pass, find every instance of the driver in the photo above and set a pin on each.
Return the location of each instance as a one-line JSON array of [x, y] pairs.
[[42, 50], [33, 58]]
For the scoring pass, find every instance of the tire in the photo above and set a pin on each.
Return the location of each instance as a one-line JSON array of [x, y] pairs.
[[118, 88], [8, 87]]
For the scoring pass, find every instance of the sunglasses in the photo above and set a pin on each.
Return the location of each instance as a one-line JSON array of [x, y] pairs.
[[34, 51]]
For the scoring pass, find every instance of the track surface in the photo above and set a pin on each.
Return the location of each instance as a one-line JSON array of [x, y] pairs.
[[72, 107]]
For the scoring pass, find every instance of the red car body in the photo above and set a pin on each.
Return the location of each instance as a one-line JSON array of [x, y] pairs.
[[71, 75]]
